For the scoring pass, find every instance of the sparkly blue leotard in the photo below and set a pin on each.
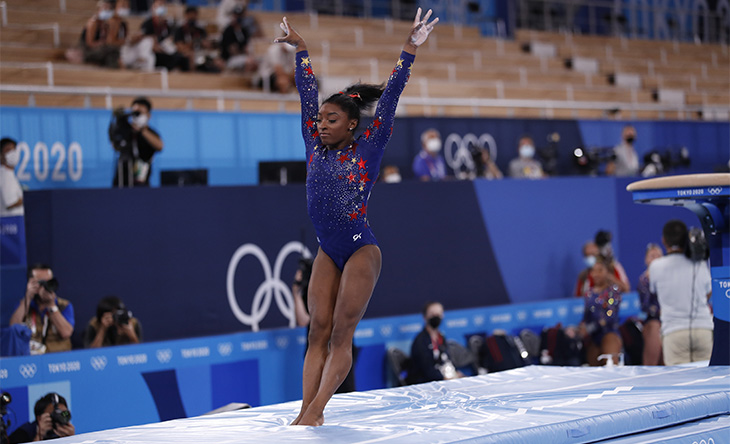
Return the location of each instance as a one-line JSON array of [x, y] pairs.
[[339, 181]]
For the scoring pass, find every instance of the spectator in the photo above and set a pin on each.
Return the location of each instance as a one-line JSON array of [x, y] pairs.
[[100, 45], [391, 174], [11, 194], [651, 330], [590, 252], [235, 46], [526, 166], [163, 46], [429, 164], [136, 50], [276, 70], [112, 325], [225, 9], [52, 420], [485, 166], [627, 161], [137, 144], [600, 325], [619, 277], [430, 360], [683, 287], [192, 42], [50, 318]]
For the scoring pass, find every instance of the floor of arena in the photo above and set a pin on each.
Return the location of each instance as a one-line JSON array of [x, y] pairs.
[[537, 404]]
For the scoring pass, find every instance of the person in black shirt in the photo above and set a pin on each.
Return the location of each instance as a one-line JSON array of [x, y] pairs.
[[430, 359], [235, 41], [192, 42], [45, 426], [136, 143], [157, 26]]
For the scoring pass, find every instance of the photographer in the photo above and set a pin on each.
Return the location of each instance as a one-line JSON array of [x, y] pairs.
[[50, 318], [112, 325], [52, 420], [681, 280], [136, 143], [485, 166]]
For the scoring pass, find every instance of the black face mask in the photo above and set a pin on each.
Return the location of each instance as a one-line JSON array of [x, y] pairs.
[[630, 139], [434, 321]]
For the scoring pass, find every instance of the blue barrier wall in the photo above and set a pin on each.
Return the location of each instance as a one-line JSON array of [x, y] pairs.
[[176, 256], [136, 384], [68, 148]]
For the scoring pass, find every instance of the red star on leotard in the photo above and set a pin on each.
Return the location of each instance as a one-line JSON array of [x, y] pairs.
[[343, 158], [362, 163], [364, 177], [311, 156], [353, 215], [367, 133], [308, 70], [310, 123], [377, 122], [315, 134], [350, 177], [364, 209]]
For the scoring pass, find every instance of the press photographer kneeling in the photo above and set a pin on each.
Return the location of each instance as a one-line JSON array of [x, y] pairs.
[[52, 420], [135, 142]]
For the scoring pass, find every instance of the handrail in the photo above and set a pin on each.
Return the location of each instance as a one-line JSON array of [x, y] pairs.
[[546, 105], [55, 27]]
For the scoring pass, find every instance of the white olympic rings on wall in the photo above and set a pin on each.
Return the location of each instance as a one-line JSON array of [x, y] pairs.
[[458, 156], [272, 286]]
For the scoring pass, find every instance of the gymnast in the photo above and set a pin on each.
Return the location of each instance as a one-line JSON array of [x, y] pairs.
[[341, 171]]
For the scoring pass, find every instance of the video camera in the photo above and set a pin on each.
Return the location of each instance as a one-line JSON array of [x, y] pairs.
[[120, 131], [697, 248], [656, 163]]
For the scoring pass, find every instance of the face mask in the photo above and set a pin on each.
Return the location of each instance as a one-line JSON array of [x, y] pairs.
[[12, 158], [527, 151], [434, 321], [630, 139], [433, 145], [140, 120], [160, 11], [393, 178], [123, 12], [590, 261], [106, 14]]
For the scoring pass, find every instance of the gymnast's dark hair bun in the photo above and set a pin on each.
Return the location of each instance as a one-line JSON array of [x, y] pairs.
[[356, 98]]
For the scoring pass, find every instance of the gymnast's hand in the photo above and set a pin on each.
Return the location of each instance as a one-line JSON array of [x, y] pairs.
[[421, 29], [291, 36]]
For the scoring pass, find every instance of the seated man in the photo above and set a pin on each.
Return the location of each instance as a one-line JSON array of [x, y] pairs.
[[112, 325], [50, 318], [236, 41], [192, 42], [52, 420]]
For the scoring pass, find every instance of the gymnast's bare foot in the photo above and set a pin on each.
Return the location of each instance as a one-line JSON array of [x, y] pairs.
[[311, 420]]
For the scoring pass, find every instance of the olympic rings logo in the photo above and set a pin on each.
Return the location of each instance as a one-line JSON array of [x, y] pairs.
[[164, 355], [272, 287], [28, 370], [458, 156], [714, 191], [98, 362]]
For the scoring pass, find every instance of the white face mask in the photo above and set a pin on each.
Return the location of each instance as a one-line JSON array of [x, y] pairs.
[[106, 14], [123, 12], [141, 120], [590, 261], [527, 151], [160, 11], [393, 178], [433, 145], [12, 157]]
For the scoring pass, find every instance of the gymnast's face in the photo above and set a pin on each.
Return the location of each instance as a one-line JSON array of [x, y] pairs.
[[334, 125], [599, 273]]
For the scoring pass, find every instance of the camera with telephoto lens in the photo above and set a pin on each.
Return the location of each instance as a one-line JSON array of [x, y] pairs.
[[58, 417], [122, 316], [51, 285], [697, 248]]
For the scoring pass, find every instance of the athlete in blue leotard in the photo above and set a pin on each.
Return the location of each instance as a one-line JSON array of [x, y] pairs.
[[341, 170]]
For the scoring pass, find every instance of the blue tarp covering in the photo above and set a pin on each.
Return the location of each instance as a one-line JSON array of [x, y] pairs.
[[528, 405]]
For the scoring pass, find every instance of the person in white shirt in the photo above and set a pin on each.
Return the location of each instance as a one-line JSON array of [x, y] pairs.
[[683, 287], [626, 163], [11, 196]]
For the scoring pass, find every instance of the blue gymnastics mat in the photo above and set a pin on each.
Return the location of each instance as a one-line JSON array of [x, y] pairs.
[[538, 404]]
